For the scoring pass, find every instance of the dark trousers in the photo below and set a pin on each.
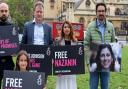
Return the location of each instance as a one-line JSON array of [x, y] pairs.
[[6, 63], [45, 80]]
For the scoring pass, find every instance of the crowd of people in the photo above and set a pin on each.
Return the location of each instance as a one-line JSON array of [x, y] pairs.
[[100, 31]]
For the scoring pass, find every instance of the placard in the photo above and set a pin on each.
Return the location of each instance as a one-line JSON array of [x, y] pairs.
[[9, 43], [106, 57], [23, 80], [54, 60], [40, 58], [68, 60]]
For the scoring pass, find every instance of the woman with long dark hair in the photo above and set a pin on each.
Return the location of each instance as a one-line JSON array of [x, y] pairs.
[[67, 38], [22, 61]]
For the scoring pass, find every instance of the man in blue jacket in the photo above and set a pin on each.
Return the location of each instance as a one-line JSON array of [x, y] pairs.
[[37, 32]]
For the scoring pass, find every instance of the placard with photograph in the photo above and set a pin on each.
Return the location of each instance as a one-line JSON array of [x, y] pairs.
[[106, 58], [40, 58], [54, 60]]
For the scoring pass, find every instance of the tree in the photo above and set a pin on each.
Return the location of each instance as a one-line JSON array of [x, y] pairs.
[[21, 11]]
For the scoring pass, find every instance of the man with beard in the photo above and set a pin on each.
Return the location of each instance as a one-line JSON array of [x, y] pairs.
[[6, 62], [99, 31]]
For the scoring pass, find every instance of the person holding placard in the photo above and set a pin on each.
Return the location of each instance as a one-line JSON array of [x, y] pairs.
[[98, 31], [6, 62], [22, 61], [37, 32], [67, 38]]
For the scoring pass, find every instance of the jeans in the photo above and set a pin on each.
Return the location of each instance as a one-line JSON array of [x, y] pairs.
[[94, 79]]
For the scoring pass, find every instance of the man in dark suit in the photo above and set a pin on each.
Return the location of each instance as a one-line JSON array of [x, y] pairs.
[[37, 32], [6, 62]]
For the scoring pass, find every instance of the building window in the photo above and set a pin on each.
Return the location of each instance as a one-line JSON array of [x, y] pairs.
[[82, 20], [88, 21], [52, 2], [117, 11], [108, 10], [87, 3], [124, 25], [71, 6], [64, 7]]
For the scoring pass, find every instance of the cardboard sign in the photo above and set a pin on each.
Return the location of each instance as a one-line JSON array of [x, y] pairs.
[[23, 80], [68, 60], [8, 40], [40, 58]]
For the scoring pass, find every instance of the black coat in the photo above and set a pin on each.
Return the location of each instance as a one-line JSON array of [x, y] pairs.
[[6, 62]]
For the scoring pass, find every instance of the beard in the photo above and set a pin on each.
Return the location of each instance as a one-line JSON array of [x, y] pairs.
[[101, 17], [3, 18]]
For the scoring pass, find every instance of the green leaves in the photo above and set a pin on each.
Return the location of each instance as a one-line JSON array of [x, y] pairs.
[[21, 11]]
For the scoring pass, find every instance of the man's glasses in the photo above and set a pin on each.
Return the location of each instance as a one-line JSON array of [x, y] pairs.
[[100, 10]]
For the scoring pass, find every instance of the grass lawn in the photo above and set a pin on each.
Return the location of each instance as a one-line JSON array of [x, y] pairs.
[[117, 80]]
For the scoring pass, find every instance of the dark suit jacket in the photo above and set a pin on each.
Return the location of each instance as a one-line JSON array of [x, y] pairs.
[[6, 62], [28, 34]]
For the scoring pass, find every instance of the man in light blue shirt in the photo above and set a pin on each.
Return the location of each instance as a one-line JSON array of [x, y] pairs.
[[101, 27], [98, 31], [37, 32]]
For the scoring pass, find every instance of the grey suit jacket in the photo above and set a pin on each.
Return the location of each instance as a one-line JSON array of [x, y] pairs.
[[28, 34]]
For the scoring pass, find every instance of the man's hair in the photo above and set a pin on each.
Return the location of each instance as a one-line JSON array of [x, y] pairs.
[[101, 4], [38, 3]]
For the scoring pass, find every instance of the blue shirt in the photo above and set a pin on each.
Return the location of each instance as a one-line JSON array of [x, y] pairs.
[[101, 27], [38, 34]]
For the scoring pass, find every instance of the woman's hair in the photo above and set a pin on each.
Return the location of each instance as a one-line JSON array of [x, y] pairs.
[[101, 47], [22, 52], [71, 36]]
